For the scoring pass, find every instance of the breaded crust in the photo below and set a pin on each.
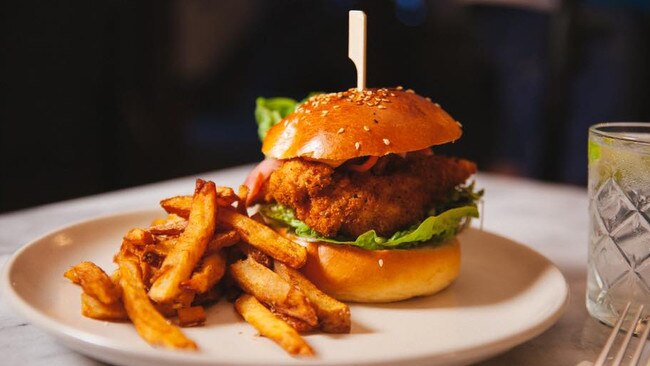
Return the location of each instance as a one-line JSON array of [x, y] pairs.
[[392, 196]]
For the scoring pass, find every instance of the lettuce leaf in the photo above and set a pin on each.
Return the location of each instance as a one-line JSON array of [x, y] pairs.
[[270, 111], [435, 229]]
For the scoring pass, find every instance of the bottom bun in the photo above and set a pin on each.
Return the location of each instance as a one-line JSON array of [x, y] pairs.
[[354, 274]]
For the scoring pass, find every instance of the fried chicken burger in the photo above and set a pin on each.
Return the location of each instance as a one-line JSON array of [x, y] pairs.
[[353, 177]]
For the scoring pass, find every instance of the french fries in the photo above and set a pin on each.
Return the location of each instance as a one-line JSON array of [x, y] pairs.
[[139, 237], [149, 323], [222, 240], [208, 274], [180, 261], [226, 196], [299, 325], [271, 326], [333, 315], [252, 252], [169, 228], [191, 317], [179, 205], [271, 289], [94, 282], [265, 239], [95, 309]]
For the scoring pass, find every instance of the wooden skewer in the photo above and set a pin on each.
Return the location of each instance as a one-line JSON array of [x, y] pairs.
[[357, 45]]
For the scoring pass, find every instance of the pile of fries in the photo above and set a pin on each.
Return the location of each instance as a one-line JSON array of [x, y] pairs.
[[207, 248]]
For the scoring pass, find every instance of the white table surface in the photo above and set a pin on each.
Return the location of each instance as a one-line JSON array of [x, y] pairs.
[[550, 218]]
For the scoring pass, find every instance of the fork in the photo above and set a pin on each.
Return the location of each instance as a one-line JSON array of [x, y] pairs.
[[602, 357]]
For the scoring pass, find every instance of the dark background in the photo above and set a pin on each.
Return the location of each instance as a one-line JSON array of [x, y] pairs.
[[101, 95]]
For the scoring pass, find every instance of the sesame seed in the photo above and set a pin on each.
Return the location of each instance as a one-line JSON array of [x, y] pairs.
[[324, 113], [335, 107], [386, 142], [381, 106], [428, 99], [392, 94], [380, 262], [308, 111], [357, 145], [399, 87], [366, 128], [410, 91], [341, 130], [437, 105], [459, 124]]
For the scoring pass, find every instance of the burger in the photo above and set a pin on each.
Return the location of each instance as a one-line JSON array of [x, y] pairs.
[[352, 176]]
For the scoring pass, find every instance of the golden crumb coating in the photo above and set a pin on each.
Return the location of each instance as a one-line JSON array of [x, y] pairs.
[[396, 193]]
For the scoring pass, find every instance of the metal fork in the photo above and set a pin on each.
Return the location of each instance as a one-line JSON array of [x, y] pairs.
[[602, 357]]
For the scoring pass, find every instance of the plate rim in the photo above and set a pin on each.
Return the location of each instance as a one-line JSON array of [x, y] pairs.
[[72, 337]]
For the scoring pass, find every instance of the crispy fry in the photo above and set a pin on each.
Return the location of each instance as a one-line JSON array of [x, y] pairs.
[[191, 317], [209, 273], [169, 228], [149, 323], [166, 310], [179, 205], [295, 323], [182, 259], [222, 240], [265, 239], [139, 237], [95, 309], [94, 282], [271, 326], [251, 251], [226, 196], [165, 244], [333, 315], [243, 193], [271, 289]]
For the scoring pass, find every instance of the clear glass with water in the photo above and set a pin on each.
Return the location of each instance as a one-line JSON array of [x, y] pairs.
[[619, 222]]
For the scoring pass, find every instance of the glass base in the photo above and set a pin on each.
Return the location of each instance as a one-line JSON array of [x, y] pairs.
[[608, 314]]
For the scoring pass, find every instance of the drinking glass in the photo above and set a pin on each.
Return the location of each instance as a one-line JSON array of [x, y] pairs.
[[619, 218]]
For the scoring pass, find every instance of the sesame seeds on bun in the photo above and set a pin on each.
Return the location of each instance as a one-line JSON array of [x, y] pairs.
[[353, 123]]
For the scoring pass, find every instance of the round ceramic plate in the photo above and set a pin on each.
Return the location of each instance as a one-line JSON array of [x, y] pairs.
[[506, 294]]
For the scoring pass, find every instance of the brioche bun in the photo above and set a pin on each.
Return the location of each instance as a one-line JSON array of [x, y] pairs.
[[349, 273], [350, 124]]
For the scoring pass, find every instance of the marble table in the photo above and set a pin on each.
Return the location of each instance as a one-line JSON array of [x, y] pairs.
[[550, 218]]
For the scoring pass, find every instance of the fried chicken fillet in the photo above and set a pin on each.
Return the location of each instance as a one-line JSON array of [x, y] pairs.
[[391, 196]]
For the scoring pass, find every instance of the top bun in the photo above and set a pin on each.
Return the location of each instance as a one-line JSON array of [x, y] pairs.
[[350, 124]]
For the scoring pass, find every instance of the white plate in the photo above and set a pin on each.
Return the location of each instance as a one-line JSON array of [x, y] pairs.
[[506, 294]]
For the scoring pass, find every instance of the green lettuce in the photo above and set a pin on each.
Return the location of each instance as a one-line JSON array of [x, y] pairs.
[[433, 229], [270, 111]]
